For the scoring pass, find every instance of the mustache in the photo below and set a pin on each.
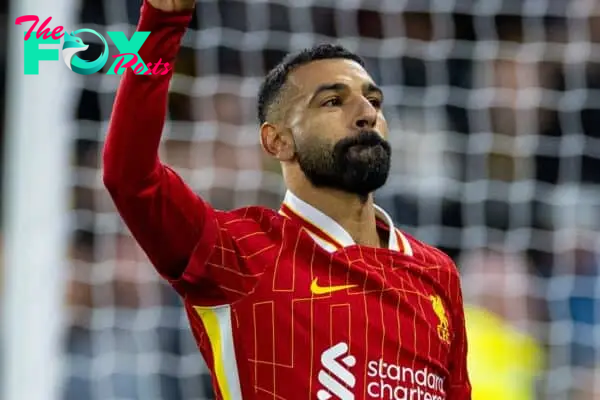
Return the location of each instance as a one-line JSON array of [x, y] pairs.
[[368, 138]]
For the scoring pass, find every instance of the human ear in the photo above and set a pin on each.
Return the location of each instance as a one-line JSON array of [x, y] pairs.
[[277, 141]]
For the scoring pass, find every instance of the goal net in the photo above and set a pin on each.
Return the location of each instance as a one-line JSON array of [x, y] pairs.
[[492, 107]]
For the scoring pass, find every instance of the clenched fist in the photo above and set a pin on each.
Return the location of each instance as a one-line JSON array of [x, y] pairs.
[[172, 5]]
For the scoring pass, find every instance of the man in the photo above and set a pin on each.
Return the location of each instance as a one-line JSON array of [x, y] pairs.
[[324, 298]]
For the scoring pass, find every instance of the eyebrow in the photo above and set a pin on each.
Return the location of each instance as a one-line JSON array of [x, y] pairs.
[[339, 87], [372, 88]]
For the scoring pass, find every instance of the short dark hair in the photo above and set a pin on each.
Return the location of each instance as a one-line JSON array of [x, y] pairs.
[[277, 77]]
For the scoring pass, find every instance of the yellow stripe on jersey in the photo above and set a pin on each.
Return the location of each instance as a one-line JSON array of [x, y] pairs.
[[217, 323], [406, 248], [330, 247], [281, 212], [314, 229]]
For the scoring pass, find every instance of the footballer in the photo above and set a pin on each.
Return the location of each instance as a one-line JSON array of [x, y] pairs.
[[323, 298]]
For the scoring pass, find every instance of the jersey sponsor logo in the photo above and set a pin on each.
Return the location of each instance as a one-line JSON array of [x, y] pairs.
[[384, 380], [316, 289], [398, 382], [336, 376], [442, 328]]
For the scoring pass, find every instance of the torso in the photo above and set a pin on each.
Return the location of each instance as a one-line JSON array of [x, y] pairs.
[[387, 336]]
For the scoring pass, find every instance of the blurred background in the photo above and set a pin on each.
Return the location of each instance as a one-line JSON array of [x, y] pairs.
[[494, 108]]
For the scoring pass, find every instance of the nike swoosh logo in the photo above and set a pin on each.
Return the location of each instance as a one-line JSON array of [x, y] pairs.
[[318, 290]]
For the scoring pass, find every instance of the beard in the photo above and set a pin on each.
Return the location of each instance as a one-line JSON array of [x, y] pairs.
[[358, 164]]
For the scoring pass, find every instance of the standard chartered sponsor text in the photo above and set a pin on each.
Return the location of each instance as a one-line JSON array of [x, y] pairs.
[[396, 382]]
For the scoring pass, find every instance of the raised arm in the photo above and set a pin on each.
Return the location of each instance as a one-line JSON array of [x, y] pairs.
[[164, 215]]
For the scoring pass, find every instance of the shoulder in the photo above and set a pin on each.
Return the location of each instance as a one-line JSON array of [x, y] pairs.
[[430, 255], [248, 213], [441, 268], [440, 265], [251, 218]]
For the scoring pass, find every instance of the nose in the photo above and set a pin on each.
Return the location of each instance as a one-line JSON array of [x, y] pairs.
[[366, 117]]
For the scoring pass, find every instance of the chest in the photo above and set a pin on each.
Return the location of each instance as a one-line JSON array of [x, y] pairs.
[[381, 303]]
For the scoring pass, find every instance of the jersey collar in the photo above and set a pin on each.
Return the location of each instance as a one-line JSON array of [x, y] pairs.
[[332, 236]]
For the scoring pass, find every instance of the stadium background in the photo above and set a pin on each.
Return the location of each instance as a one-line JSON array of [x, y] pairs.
[[495, 125]]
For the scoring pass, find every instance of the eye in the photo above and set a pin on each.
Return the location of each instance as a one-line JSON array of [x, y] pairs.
[[375, 102], [333, 102]]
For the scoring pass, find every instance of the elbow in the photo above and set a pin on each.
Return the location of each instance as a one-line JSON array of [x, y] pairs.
[[120, 189], [111, 181], [124, 180], [126, 172]]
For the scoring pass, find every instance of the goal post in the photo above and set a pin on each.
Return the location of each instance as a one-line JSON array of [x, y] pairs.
[[35, 211]]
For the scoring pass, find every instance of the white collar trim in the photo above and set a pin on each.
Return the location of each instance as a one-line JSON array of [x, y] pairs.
[[334, 230]]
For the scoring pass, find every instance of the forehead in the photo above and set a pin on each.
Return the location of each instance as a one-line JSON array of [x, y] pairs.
[[310, 76]]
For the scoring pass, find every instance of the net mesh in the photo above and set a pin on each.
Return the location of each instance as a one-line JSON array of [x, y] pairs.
[[494, 119]]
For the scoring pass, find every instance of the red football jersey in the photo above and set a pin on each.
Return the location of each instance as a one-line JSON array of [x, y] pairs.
[[283, 305], [299, 311]]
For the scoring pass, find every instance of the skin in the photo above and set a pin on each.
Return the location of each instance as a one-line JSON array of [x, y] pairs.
[[303, 114], [333, 114], [172, 5]]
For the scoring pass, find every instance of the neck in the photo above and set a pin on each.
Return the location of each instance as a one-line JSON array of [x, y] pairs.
[[354, 213]]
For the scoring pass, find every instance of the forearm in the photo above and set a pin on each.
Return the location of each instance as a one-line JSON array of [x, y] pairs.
[[139, 112]]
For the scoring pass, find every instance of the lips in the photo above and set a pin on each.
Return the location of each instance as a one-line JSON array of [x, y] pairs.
[[364, 141], [367, 139]]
